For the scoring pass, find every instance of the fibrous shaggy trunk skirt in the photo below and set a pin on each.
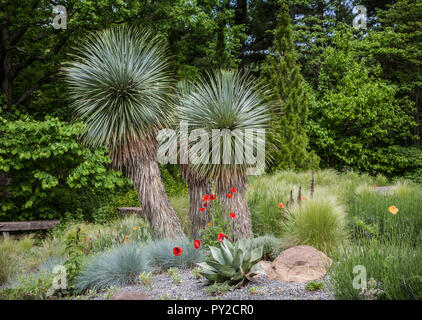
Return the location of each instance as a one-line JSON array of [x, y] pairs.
[[198, 187], [241, 226], [154, 200]]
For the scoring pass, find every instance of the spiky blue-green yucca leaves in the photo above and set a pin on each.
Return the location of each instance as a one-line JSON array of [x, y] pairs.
[[225, 100], [120, 83], [119, 267], [233, 263]]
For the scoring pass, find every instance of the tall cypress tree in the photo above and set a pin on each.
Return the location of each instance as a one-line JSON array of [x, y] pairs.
[[282, 72]]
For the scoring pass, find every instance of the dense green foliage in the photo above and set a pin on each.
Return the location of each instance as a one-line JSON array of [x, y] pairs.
[[357, 116], [49, 168]]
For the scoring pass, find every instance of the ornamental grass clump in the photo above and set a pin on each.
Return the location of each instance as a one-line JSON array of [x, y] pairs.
[[319, 222], [119, 267], [161, 253]]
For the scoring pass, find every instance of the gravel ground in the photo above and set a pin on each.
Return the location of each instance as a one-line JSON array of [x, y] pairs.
[[260, 288]]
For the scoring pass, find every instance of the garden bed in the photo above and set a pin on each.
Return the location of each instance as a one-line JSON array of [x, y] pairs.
[[190, 288]]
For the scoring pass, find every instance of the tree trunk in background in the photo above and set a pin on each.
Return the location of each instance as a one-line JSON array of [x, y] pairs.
[[154, 201], [198, 187], [241, 226]]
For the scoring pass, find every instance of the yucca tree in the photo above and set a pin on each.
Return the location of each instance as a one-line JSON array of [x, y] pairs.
[[198, 185], [234, 101], [121, 87]]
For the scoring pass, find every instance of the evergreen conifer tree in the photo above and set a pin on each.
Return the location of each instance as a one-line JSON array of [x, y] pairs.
[[282, 72]]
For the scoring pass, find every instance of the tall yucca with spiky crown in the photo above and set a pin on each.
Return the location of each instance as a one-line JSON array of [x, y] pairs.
[[198, 185], [226, 100], [121, 86]]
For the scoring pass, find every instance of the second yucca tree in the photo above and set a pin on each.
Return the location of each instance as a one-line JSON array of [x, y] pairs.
[[227, 106], [121, 87]]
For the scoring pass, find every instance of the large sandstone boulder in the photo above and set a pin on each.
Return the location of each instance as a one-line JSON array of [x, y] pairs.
[[298, 264], [129, 295]]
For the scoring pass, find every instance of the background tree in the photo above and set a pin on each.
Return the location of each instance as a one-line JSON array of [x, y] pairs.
[[282, 72], [357, 115], [121, 86]]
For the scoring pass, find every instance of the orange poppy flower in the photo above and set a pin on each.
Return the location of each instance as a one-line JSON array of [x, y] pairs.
[[393, 209], [281, 205]]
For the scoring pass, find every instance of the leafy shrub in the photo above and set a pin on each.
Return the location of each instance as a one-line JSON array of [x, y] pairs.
[[232, 264], [119, 267], [411, 165], [343, 130], [50, 170], [318, 222], [108, 211], [173, 181], [160, 253]]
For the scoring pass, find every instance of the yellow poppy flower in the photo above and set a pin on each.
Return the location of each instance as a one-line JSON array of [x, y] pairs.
[[136, 228], [393, 209]]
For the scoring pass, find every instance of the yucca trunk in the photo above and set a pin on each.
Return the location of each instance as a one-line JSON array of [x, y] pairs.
[[146, 177], [197, 188], [241, 226]]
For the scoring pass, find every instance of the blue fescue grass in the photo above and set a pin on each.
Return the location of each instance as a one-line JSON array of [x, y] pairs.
[[118, 267], [122, 265], [160, 253]]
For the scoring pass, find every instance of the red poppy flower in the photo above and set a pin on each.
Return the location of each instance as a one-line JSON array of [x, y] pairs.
[[205, 204], [281, 205], [375, 185], [232, 215], [205, 198], [177, 251], [233, 190], [221, 236], [229, 195], [202, 209], [197, 244], [213, 197]]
